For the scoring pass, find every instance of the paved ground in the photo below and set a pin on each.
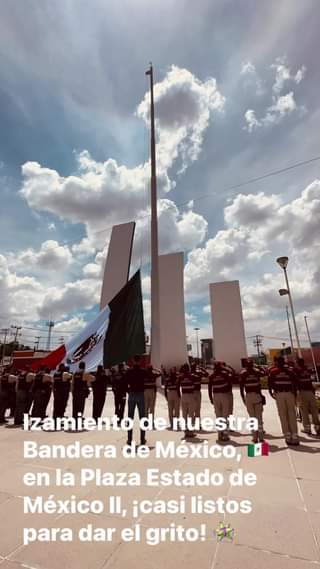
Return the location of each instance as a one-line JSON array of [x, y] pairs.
[[283, 532]]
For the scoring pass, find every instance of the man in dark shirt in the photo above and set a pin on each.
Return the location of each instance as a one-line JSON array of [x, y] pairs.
[[250, 389], [99, 390], [136, 377], [119, 388], [42, 387]]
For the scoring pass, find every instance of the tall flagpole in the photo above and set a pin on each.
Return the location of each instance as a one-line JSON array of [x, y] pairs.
[[155, 294]]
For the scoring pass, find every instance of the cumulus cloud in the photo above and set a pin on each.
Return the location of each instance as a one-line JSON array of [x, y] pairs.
[[259, 226], [251, 120], [101, 194], [282, 105], [247, 68], [184, 105], [283, 74], [50, 257], [73, 296]]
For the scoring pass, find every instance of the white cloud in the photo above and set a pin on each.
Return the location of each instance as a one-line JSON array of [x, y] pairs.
[[284, 74], [72, 297], [183, 108], [50, 257], [247, 68], [251, 120], [101, 194]]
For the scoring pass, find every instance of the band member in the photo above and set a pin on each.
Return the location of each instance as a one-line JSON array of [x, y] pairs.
[[197, 373], [250, 389], [99, 390], [136, 377], [219, 388], [42, 388], [186, 389], [119, 388], [283, 388], [308, 403], [80, 390], [150, 390], [24, 396], [61, 390], [172, 395]]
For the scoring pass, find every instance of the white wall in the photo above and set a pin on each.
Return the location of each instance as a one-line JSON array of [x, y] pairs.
[[173, 345], [227, 323], [116, 271]]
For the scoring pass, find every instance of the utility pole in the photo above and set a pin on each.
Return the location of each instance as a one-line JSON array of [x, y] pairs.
[[257, 342], [50, 325], [197, 340], [155, 294], [37, 340], [17, 333], [5, 332]]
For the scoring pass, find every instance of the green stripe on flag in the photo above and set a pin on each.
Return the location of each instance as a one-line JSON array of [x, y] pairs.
[[125, 336]]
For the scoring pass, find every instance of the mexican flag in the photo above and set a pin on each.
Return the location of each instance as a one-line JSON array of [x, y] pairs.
[[258, 449], [114, 336]]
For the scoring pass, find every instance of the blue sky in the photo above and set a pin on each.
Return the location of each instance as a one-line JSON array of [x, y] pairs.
[[236, 97]]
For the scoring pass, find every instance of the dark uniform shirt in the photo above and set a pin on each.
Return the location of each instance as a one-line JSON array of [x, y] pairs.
[[220, 382], [79, 385], [250, 381], [101, 381], [150, 381], [136, 377], [186, 383], [171, 384], [282, 380], [119, 383], [4, 383], [22, 384], [304, 379], [39, 384]]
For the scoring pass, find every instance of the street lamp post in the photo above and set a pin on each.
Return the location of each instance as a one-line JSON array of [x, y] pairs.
[[197, 335], [283, 263]]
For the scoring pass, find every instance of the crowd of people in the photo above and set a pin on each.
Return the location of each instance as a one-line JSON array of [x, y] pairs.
[[291, 385]]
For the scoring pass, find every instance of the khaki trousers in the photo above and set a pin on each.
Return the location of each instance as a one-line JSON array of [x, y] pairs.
[[197, 404], [149, 401], [287, 413], [221, 402], [187, 404], [255, 409], [308, 405], [173, 405]]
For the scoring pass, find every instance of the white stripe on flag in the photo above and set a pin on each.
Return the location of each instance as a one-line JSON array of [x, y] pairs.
[[258, 449], [87, 346]]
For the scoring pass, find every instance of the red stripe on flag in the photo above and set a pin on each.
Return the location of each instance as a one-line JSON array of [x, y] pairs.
[[52, 360]]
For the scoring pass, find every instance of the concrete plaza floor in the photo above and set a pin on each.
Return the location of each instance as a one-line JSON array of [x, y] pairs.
[[282, 532]]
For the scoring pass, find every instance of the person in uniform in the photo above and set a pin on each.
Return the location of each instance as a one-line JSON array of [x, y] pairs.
[[186, 390], [119, 388], [219, 388], [4, 395], [99, 391], [136, 377], [24, 397], [250, 390], [42, 388], [61, 391], [172, 395], [197, 374], [150, 390], [283, 388], [308, 404], [80, 390]]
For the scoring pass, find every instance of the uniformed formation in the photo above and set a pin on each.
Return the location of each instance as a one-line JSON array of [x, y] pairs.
[[291, 385]]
